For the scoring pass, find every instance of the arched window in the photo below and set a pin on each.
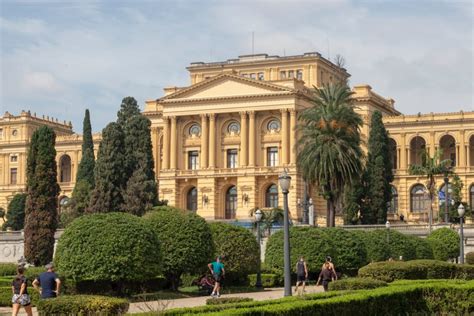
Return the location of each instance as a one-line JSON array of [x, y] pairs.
[[471, 196], [393, 207], [448, 146], [418, 199], [231, 202], [65, 169], [191, 199], [392, 147], [271, 196], [417, 146], [195, 130]]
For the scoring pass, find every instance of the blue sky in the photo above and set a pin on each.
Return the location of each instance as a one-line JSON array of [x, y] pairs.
[[60, 57]]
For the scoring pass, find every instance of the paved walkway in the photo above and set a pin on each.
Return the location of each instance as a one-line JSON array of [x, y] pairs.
[[268, 294]]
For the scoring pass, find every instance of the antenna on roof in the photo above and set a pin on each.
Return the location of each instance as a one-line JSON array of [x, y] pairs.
[[253, 43]]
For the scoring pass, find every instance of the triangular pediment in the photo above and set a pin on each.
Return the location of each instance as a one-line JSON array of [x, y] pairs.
[[227, 85]]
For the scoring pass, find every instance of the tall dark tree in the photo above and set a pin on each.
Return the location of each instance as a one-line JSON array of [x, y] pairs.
[[128, 109], [110, 179], [16, 212], [141, 192], [87, 164], [41, 218], [379, 173], [330, 154]]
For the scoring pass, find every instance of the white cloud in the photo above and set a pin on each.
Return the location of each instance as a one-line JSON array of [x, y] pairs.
[[43, 82]]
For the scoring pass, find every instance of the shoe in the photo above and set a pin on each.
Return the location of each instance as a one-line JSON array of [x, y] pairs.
[[218, 294], [213, 294]]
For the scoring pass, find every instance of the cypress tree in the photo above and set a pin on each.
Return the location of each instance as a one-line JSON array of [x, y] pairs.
[[42, 201], [109, 175], [16, 212], [379, 172], [128, 109], [87, 164]]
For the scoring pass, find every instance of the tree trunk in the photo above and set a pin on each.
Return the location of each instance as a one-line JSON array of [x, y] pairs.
[[332, 213], [174, 281], [328, 213]]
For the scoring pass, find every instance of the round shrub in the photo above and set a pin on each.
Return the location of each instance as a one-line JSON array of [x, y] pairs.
[[351, 253], [423, 248], [401, 245], [310, 242], [356, 284], [185, 240], [470, 257], [445, 243], [375, 244], [239, 248], [110, 246]]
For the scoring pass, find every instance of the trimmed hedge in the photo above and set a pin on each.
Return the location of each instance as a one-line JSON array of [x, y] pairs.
[[8, 269], [470, 257], [113, 246], [356, 284], [416, 270], [445, 243], [6, 295], [83, 305], [239, 249], [227, 300], [422, 247], [268, 280]]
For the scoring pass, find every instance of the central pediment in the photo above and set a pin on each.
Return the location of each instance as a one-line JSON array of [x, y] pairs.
[[226, 86]]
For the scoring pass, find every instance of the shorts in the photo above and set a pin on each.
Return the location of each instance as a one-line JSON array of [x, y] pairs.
[[217, 277], [23, 300], [301, 278], [326, 285]]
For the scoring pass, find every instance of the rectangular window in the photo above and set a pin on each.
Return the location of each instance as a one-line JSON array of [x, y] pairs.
[[291, 74], [13, 158], [260, 76], [253, 76], [193, 160], [282, 75], [272, 156], [13, 176], [231, 158], [299, 74]]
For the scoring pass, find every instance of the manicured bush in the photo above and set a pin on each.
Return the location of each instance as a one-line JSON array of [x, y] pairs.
[[186, 241], [470, 257], [112, 247], [445, 243], [239, 249], [6, 294], [400, 245], [268, 280], [375, 244], [312, 243], [414, 270], [356, 284], [32, 273], [227, 300], [422, 247], [351, 253], [83, 305], [7, 269]]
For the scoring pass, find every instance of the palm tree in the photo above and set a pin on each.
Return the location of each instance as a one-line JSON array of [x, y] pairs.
[[431, 167], [330, 154]]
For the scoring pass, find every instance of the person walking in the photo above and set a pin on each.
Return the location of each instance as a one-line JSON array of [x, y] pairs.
[[327, 275], [301, 274], [48, 283], [218, 273], [20, 293], [329, 261]]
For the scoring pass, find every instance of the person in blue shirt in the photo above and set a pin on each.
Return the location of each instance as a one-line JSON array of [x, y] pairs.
[[49, 283], [218, 272]]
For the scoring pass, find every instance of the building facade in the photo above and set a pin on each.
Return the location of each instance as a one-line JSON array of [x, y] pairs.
[[221, 142]]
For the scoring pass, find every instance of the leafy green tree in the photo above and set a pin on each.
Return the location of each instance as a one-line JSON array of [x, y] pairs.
[[85, 170], [379, 173], [456, 197], [431, 167], [354, 201], [330, 154], [140, 193], [16, 212], [128, 109], [186, 241], [42, 201], [109, 176], [445, 243]]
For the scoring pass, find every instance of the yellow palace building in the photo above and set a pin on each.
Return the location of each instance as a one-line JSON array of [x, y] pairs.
[[221, 142]]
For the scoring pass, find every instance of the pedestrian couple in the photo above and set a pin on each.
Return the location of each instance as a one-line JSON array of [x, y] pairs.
[[328, 274], [48, 285]]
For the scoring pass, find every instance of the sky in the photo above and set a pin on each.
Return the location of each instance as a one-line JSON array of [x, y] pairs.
[[60, 57]]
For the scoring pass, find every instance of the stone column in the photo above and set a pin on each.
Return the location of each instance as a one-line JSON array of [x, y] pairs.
[[403, 156], [252, 148], [468, 155], [212, 140], [166, 144], [284, 137], [174, 145], [292, 136], [204, 141], [432, 144], [243, 139], [462, 150], [155, 147]]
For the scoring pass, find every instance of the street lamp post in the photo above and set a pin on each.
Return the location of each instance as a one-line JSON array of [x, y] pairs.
[[387, 225], [446, 198], [284, 179], [258, 218], [461, 211]]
